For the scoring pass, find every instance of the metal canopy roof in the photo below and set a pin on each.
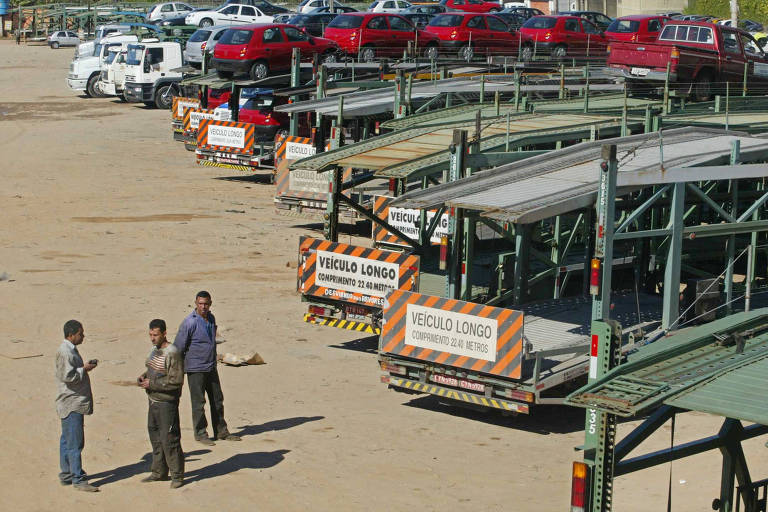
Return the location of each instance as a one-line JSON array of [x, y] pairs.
[[697, 369], [601, 103], [382, 100], [561, 181], [397, 154]]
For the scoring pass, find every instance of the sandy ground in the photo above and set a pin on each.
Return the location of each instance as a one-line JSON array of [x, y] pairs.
[[107, 220]]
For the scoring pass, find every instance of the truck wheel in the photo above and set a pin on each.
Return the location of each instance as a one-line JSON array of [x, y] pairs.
[[432, 52], [559, 51], [90, 88], [368, 54], [259, 70], [206, 22], [702, 88], [163, 97], [526, 53], [466, 53], [226, 75], [54, 45]]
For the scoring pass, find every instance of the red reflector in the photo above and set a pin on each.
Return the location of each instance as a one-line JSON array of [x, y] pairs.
[[391, 184], [594, 277], [579, 487], [463, 268], [385, 379], [317, 310], [593, 347], [443, 253]]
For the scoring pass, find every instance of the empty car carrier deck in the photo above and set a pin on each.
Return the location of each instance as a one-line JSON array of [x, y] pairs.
[[555, 356]]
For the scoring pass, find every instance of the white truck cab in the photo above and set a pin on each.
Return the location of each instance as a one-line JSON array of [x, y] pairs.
[[84, 72], [112, 80], [149, 74]]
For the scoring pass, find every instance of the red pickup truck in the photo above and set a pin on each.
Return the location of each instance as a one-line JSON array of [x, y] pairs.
[[702, 56]]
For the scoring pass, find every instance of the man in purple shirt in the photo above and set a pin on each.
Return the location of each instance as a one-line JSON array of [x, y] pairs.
[[196, 340]]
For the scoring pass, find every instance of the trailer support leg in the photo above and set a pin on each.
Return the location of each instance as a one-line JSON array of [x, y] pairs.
[[671, 306], [331, 224]]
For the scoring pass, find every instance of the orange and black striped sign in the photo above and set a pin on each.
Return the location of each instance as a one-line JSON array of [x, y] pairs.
[[225, 136], [454, 333], [407, 220], [192, 117], [303, 184], [179, 104], [349, 273], [286, 142]]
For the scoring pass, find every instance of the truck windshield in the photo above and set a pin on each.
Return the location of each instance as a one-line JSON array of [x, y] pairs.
[[135, 53], [623, 27], [446, 20], [110, 57]]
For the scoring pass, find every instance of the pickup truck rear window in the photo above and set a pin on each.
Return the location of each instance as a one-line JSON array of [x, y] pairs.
[[623, 27], [540, 23], [236, 36], [687, 33]]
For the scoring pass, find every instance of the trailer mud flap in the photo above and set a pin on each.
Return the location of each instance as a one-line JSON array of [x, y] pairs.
[[453, 394]]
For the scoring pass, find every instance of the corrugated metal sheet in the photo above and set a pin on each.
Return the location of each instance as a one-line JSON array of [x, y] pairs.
[[406, 147], [692, 370], [560, 181]]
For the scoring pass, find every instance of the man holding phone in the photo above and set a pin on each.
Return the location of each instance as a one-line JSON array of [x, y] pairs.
[[74, 400], [163, 381]]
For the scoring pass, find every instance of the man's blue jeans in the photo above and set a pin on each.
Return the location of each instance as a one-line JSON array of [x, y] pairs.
[[71, 444]]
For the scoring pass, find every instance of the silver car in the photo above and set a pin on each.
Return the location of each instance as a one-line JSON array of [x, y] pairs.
[[63, 38], [204, 39]]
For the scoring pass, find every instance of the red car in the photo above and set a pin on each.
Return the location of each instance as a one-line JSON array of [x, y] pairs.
[[561, 36], [379, 34], [218, 96], [467, 34], [471, 5], [638, 28], [262, 49]]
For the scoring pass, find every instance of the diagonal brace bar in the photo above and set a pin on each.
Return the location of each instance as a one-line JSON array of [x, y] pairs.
[[757, 204], [641, 209], [373, 218], [696, 190]]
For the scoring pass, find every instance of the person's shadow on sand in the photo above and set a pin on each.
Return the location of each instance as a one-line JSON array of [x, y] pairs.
[[142, 466], [252, 430], [254, 460]]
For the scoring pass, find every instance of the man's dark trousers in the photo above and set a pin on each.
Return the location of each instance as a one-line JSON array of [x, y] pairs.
[[165, 436], [201, 384]]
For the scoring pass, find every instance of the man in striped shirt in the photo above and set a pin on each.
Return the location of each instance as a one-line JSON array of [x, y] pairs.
[[163, 381]]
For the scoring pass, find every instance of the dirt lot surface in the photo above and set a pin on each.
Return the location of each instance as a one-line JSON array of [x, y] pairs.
[[107, 220]]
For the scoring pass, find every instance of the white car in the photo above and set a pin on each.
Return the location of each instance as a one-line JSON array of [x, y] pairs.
[[307, 6], [230, 14], [168, 10], [388, 6]]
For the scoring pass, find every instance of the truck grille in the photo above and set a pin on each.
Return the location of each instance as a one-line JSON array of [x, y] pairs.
[[130, 78]]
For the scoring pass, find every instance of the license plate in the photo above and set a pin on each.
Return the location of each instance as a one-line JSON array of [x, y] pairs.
[[457, 383], [639, 71], [356, 311]]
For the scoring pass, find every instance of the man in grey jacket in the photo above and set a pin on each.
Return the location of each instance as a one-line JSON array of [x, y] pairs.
[[74, 400], [196, 340], [163, 381]]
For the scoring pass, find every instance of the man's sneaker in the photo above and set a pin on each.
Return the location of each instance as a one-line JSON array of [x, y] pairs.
[[229, 437], [205, 440], [175, 484], [153, 478], [85, 487]]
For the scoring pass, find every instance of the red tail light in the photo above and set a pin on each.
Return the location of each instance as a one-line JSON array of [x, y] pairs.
[[579, 487], [242, 51], [594, 277], [443, 253], [392, 185], [320, 311], [202, 46], [353, 35], [674, 54], [547, 35], [633, 38]]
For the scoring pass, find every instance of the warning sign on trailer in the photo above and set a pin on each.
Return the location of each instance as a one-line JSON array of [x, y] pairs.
[[192, 117], [179, 103], [296, 151], [349, 273], [406, 220], [225, 136], [472, 336]]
